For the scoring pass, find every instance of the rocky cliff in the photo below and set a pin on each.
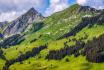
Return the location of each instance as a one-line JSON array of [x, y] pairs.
[[21, 23]]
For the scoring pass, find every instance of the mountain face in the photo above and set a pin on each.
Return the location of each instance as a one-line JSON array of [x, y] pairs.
[[3, 24], [88, 9], [20, 24], [92, 16], [12, 41]]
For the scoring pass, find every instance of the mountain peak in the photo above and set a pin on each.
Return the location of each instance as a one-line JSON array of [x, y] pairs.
[[20, 24], [88, 9], [32, 11], [32, 8]]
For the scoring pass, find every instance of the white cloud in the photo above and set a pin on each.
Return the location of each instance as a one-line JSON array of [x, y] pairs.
[[11, 5], [10, 9], [54, 1], [98, 4], [81, 2], [55, 6], [9, 16]]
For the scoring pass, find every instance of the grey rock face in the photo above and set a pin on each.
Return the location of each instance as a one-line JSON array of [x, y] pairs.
[[3, 24], [20, 24], [12, 41], [88, 9]]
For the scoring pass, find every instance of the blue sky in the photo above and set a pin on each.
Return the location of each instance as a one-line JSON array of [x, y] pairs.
[[59, 3], [11, 9]]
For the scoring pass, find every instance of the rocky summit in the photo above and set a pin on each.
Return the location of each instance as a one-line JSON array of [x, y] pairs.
[[21, 23]]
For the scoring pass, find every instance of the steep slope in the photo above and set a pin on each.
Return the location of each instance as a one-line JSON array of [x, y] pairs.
[[72, 10], [87, 21], [12, 41], [3, 24], [20, 24], [65, 21]]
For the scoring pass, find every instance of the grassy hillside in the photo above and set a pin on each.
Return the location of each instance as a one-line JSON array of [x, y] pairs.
[[40, 63], [55, 26], [78, 63], [2, 63]]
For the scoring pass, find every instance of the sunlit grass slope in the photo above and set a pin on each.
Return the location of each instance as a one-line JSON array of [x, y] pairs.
[[2, 63]]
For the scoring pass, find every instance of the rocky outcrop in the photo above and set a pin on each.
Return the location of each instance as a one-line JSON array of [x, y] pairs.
[[20, 24], [88, 9], [2, 27], [12, 41], [3, 24]]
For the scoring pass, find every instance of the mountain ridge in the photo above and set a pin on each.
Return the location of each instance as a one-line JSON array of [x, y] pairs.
[[21, 23]]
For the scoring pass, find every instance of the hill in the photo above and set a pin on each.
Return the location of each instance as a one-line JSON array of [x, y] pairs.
[[71, 39]]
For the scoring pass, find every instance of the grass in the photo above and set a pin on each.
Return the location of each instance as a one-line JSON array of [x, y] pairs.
[[17, 50], [78, 63], [40, 64], [2, 63], [94, 31]]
